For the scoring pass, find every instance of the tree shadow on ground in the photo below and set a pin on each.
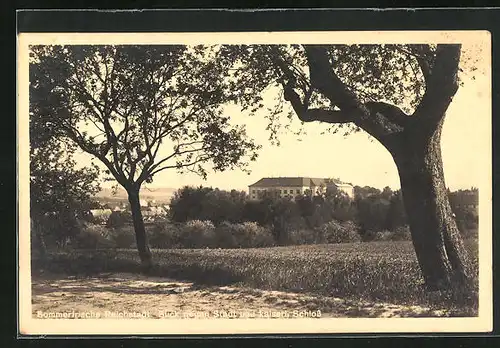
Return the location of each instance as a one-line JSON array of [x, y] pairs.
[[83, 285], [73, 288], [202, 276]]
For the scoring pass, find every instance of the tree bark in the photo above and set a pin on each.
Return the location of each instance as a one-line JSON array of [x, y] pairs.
[[438, 245], [140, 230]]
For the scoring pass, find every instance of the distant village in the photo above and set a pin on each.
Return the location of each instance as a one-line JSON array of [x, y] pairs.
[[154, 203], [150, 210]]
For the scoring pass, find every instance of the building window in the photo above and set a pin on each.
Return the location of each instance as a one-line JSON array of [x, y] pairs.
[[253, 191], [253, 196], [285, 191], [298, 190]]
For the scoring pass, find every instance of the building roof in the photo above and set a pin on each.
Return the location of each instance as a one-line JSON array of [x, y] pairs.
[[296, 182]]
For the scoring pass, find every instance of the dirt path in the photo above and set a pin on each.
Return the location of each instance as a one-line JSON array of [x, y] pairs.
[[122, 295]]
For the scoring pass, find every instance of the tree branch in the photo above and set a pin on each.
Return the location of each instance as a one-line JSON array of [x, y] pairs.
[[309, 115], [178, 152], [441, 85], [421, 54], [78, 138], [377, 118], [292, 75], [324, 79], [103, 117], [198, 160]]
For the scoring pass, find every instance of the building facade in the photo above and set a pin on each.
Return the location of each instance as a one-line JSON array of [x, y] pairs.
[[293, 187]]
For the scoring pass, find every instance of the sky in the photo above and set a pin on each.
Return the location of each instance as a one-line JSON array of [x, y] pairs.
[[356, 158]]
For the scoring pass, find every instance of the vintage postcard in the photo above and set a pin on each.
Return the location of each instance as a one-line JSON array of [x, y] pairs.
[[250, 183]]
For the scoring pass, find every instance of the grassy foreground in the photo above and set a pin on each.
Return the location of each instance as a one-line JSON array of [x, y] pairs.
[[376, 271]]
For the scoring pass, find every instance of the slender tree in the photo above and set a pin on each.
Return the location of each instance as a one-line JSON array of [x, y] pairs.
[[399, 95], [128, 105]]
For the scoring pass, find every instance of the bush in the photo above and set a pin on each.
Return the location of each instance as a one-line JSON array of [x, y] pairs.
[[302, 236], [204, 203], [244, 235], [118, 219], [255, 235], [400, 233], [383, 236], [58, 230], [197, 234], [164, 235], [93, 236], [123, 237], [225, 236], [336, 232], [372, 213]]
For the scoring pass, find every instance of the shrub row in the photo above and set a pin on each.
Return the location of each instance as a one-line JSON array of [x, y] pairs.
[[203, 234]]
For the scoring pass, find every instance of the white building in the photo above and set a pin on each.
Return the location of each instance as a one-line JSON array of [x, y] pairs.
[[292, 187], [101, 214]]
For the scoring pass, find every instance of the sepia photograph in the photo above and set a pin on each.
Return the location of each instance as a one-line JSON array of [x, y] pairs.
[[207, 183]]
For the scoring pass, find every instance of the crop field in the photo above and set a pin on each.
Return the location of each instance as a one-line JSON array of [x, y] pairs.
[[377, 271]]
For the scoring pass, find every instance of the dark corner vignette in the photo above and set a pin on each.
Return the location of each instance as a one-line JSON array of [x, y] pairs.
[[99, 170]]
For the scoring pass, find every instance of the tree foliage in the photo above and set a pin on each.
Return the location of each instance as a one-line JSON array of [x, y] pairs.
[[59, 191], [379, 76], [204, 203], [465, 207], [122, 103]]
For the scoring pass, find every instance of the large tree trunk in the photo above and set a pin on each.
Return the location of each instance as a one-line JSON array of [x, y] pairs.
[[140, 230], [438, 245]]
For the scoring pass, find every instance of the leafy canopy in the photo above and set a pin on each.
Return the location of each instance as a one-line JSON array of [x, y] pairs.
[[57, 186], [126, 104], [388, 74]]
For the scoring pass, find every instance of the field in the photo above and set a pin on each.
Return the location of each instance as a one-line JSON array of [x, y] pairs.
[[362, 273]]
